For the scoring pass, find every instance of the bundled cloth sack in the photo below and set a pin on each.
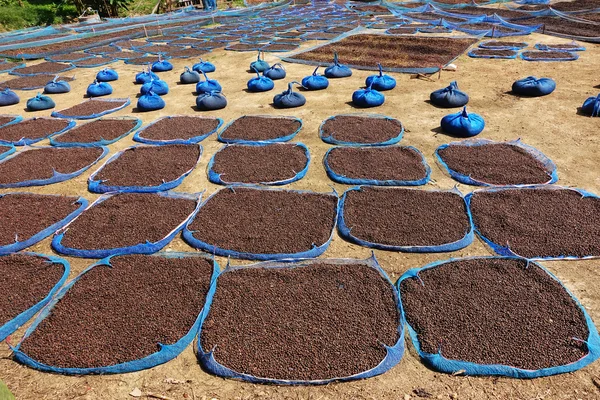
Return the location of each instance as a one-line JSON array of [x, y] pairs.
[[211, 101], [150, 102], [380, 82], [188, 76], [259, 65], [161, 65], [533, 87], [289, 98], [97, 89], [463, 124], [107, 75], [275, 72], [591, 106], [145, 76], [449, 97], [204, 66], [40, 102], [208, 85], [55, 86], [337, 70], [315, 81], [367, 98], [8, 98], [260, 83], [158, 86]]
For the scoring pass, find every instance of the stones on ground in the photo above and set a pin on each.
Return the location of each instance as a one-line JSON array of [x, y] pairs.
[[503, 311], [106, 129], [122, 313], [257, 128], [264, 222], [356, 129], [42, 164], [540, 222], [495, 163], [399, 217], [307, 322], [266, 164]]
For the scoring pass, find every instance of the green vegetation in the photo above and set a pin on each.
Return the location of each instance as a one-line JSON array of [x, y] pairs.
[[15, 14]]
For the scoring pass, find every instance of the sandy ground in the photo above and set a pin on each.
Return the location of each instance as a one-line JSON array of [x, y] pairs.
[[551, 124]]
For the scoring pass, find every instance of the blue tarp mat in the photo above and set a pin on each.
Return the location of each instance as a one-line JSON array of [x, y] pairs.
[[98, 186], [332, 140], [362, 181], [44, 233], [285, 138], [6, 151], [216, 178], [504, 250], [15, 119], [535, 153], [26, 141], [141, 248], [188, 236], [139, 135], [11, 326], [6, 66], [346, 232], [393, 356], [102, 142], [451, 366], [119, 104], [58, 177], [166, 352]]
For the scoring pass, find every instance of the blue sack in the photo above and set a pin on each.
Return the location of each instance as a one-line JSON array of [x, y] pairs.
[[315, 81], [158, 86], [211, 101], [449, 97], [208, 85], [204, 66], [161, 66], [366, 98], [381, 82], [591, 106], [188, 76], [107, 75], [55, 86], [534, 87], [150, 102], [97, 89], [337, 70], [259, 65], [8, 98], [462, 124], [260, 83], [145, 76], [275, 72], [40, 102], [289, 98]]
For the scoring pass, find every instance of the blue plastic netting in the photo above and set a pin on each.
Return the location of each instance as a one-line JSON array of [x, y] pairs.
[[315, 251], [11, 326], [57, 177], [346, 232], [393, 356], [166, 352], [9, 66], [140, 248], [6, 151], [44, 233], [332, 140], [214, 177], [285, 138], [120, 104], [139, 135], [467, 180], [450, 366], [15, 119], [390, 182], [99, 186], [55, 140], [24, 141]]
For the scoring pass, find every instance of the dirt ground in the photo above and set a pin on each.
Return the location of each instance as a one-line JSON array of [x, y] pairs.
[[550, 123]]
